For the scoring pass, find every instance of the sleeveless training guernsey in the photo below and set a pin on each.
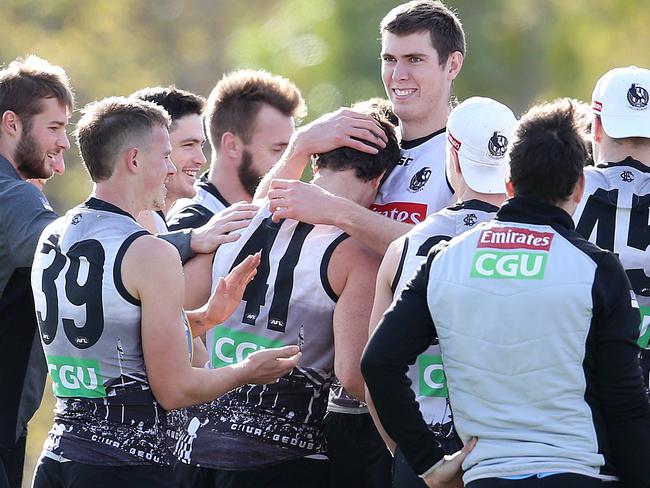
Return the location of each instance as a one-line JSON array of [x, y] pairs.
[[288, 302], [91, 332]]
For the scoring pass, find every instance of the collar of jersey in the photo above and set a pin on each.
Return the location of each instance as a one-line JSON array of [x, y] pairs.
[[474, 204], [629, 161], [208, 186], [420, 140], [97, 204]]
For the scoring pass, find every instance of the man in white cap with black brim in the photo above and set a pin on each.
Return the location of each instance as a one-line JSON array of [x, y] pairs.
[[614, 211], [478, 131]]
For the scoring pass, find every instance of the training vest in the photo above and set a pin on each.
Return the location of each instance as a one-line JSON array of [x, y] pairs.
[[288, 302], [427, 375], [91, 333]]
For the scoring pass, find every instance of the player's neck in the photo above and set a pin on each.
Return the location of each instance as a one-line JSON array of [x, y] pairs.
[[495, 199], [345, 184], [612, 152], [7, 152], [225, 179], [417, 128], [119, 196]]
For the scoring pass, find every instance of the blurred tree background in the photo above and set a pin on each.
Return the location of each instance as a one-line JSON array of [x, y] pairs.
[[519, 51]]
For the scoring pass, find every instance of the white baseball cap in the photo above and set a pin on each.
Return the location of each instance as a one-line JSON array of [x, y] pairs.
[[621, 99], [479, 130]]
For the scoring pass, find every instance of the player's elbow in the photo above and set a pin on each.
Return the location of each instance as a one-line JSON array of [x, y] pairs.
[[352, 381]]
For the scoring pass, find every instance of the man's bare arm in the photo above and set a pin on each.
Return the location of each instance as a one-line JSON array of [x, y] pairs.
[[309, 203], [383, 299], [343, 128], [352, 270], [173, 380]]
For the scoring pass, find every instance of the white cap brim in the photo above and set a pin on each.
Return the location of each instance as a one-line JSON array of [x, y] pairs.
[[483, 178], [627, 126]]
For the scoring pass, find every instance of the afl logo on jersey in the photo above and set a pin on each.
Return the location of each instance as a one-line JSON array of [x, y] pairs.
[[497, 145], [420, 179], [637, 96]]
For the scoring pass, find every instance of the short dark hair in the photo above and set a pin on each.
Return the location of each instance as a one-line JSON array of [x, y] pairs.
[[177, 103], [24, 83], [237, 98], [366, 166], [108, 126], [547, 153], [447, 35]]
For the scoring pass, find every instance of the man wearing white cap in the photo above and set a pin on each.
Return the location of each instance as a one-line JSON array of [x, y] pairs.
[[478, 131], [537, 329], [614, 211]]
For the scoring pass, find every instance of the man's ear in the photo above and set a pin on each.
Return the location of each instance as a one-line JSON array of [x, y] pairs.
[[454, 64], [231, 146], [11, 123], [597, 130], [579, 189], [130, 159], [510, 190]]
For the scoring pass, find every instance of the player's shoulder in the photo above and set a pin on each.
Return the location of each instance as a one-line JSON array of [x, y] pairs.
[[148, 250]]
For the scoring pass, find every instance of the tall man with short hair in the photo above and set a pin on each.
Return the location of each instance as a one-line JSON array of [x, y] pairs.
[[250, 116], [109, 303], [35, 102], [547, 319], [422, 52], [614, 211]]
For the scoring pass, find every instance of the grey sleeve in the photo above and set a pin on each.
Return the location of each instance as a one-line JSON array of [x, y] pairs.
[[181, 240], [25, 214]]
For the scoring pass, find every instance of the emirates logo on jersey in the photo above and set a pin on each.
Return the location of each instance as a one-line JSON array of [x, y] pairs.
[[409, 212], [470, 219], [420, 179], [637, 96], [627, 176]]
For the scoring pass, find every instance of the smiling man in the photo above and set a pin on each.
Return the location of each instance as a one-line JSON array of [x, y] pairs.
[[422, 52], [35, 101]]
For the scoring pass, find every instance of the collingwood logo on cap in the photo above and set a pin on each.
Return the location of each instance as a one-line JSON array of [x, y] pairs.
[[637, 96], [497, 144]]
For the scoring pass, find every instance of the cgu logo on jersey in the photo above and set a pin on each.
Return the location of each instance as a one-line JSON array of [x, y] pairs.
[[644, 330], [511, 264], [411, 213], [433, 382], [76, 377], [230, 346], [637, 96]]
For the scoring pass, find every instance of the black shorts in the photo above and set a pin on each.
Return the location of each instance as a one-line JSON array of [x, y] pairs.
[[564, 480], [298, 473], [53, 474], [357, 452]]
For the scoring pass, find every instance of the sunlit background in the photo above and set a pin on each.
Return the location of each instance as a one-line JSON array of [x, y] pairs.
[[519, 52]]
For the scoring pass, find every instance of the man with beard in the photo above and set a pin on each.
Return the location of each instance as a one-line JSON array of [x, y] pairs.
[[35, 102], [250, 118]]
